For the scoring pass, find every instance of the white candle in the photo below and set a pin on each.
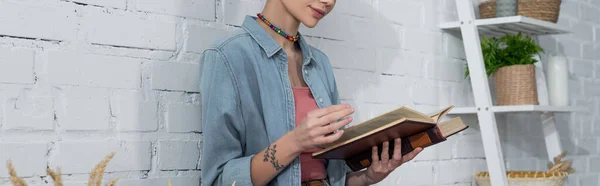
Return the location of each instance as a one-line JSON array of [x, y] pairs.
[[557, 75]]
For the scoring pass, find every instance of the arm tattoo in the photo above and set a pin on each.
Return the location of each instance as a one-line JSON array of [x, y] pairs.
[[269, 156]]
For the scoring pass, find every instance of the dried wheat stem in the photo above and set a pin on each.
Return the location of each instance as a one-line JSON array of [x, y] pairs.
[[14, 179], [170, 184], [97, 173], [113, 182], [56, 176]]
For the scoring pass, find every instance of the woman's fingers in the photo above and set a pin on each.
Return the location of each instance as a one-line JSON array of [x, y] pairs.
[[397, 156], [411, 154], [385, 152], [334, 126], [327, 110], [374, 154]]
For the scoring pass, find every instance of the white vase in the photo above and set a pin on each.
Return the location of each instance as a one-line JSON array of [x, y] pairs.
[[557, 76]]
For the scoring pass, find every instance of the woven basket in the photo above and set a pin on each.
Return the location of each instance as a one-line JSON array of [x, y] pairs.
[[526, 178], [516, 85], [546, 10]]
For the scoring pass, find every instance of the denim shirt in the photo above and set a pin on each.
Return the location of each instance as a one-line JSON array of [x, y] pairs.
[[247, 104]]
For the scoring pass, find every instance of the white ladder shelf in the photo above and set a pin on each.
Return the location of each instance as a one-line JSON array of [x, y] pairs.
[[470, 29]]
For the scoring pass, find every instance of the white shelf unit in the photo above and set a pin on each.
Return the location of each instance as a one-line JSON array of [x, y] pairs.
[[471, 28]]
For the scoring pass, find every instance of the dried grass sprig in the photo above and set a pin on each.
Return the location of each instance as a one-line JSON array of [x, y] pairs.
[[14, 179], [98, 172], [56, 176]]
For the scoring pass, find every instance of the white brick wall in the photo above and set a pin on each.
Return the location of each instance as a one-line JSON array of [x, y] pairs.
[[82, 78]]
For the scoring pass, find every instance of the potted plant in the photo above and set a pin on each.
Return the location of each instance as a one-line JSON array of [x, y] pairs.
[[510, 60]]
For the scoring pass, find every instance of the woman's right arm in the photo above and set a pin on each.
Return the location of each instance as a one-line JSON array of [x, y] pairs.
[[223, 160]]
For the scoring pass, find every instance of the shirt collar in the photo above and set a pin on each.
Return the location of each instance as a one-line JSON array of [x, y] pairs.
[[268, 44]]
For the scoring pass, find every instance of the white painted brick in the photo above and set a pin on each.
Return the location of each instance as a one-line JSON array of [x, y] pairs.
[[175, 76], [444, 69], [32, 21], [454, 46], [591, 179], [521, 164], [184, 118], [430, 93], [352, 84], [73, 68], [376, 32], [590, 13], [81, 157], [28, 159], [182, 180], [470, 146], [583, 31], [587, 146], [405, 174], [29, 111], [359, 8], [337, 52], [121, 4], [582, 68], [576, 87], [170, 155], [570, 8], [124, 30], [592, 88], [236, 10], [201, 37], [405, 13], [200, 9], [334, 26], [594, 165], [569, 47], [389, 90], [16, 65], [393, 61], [423, 41], [549, 43], [80, 110], [133, 113], [440, 151], [461, 170], [591, 52]]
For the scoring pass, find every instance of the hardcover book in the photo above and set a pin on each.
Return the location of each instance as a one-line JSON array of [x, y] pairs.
[[414, 128]]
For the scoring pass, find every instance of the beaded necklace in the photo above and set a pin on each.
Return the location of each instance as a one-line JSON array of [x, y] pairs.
[[277, 29]]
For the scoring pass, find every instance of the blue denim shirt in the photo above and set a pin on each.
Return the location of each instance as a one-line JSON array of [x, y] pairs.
[[247, 104]]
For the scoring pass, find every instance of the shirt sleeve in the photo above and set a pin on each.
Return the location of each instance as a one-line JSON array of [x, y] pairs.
[[223, 130]]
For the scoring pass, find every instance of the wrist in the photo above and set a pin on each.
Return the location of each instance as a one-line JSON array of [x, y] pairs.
[[294, 143]]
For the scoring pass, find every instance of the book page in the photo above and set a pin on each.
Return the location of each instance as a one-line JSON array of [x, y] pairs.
[[379, 121]]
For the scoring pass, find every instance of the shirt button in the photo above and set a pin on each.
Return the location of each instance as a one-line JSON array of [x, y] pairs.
[[321, 100], [305, 72]]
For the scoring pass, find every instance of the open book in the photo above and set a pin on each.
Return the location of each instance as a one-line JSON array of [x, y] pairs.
[[414, 128]]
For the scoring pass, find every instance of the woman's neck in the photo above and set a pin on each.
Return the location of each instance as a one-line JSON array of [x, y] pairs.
[[277, 14]]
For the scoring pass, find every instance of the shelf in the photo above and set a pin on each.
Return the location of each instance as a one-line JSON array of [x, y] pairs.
[[510, 25], [515, 108]]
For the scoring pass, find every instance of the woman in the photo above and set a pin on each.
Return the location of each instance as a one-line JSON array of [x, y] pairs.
[[269, 100]]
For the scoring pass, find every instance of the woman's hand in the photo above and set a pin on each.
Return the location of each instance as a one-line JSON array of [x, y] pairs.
[[382, 166], [317, 127]]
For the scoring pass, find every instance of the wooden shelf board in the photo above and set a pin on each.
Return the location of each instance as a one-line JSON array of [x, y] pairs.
[[510, 25], [515, 108]]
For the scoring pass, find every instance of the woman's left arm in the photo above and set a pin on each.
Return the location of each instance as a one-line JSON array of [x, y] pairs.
[[382, 166]]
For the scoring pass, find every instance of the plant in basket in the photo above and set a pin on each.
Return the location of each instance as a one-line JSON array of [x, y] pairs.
[[510, 59]]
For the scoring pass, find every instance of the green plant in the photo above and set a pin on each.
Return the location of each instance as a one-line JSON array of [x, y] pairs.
[[507, 50]]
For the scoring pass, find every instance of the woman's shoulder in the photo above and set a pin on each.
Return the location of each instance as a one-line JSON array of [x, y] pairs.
[[234, 41]]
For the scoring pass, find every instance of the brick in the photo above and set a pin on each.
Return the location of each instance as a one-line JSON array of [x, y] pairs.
[[521, 164], [355, 8], [369, 32], [583, 31], [420, 40], [587, 126], [592, 88], [454, 46], [37, 21], [576, 87], [16, 65], [201, 37], [132, 113], [441, 151], [594, 165], [236, 10], [591, 179], [549, 43], [587, 146], [351, 83], [569, 47], [462, 170], [76, 110], [29, 111], [334, 26], [72, 68], [389, 89], [176, 76], [170, 155], [470, 146], [120, 4], [570, 8], [430, 93], [582, 68], [81, 157], [99, 28], [591, 52], [186, 8], [589, 13], [407, 14], [184, 118], [28, 159], [395, 62], [444, 69], [337, 52], [405, 174], [180, 180]]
